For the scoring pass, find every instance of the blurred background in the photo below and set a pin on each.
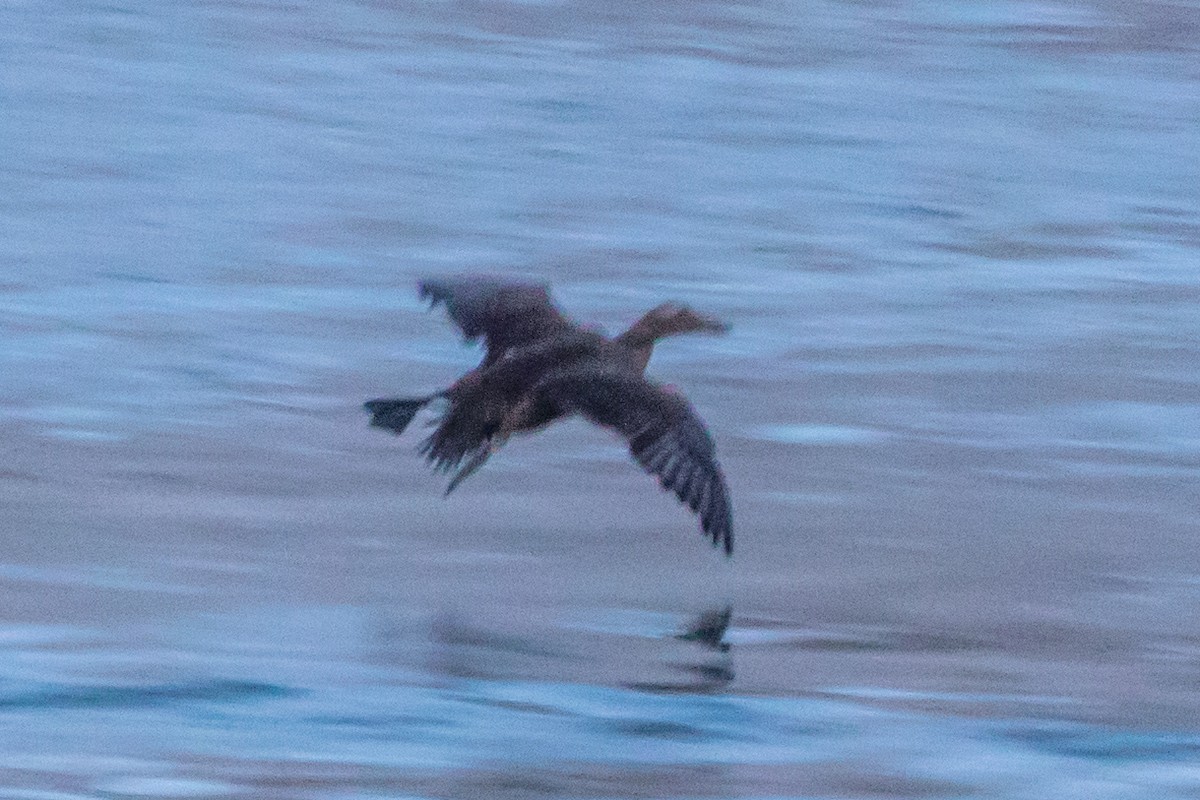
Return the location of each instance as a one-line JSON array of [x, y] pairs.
[[959, 407]]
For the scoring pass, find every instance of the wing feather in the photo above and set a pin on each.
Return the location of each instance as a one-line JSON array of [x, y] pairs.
[[686, 484], [507, 314], [666, 437]]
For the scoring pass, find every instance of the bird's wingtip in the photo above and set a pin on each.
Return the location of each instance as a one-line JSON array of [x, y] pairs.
[[723, 538]]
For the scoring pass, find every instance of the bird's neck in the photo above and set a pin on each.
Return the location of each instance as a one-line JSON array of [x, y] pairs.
[[640, 338]]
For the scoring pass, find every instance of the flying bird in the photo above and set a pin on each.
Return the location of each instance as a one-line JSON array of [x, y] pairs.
[[539, 366]]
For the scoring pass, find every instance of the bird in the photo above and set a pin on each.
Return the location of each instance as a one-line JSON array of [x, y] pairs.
[[539, 366]]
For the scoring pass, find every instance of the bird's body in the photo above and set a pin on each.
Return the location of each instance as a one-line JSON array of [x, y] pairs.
[[539, 367]]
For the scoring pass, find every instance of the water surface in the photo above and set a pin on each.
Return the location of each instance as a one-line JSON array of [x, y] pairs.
[[957, 243]]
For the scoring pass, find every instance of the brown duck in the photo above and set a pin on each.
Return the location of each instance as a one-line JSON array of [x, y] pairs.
[[539, 366]]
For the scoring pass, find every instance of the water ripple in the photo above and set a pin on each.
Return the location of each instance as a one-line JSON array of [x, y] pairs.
[[133, 697]]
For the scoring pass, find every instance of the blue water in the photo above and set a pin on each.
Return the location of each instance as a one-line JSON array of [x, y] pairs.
[[958, 246]]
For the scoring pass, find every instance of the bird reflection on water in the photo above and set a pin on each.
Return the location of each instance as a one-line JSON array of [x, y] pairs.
[[695, 659], [708, 631]]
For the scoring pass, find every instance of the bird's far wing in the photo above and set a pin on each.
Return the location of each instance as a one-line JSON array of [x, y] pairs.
[[665, 436], [506, 314]]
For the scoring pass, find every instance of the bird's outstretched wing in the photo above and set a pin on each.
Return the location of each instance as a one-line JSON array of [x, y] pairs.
[[665, 436], [507, 314]]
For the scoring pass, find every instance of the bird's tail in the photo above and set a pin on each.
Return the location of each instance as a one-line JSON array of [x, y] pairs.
[[395, 413]]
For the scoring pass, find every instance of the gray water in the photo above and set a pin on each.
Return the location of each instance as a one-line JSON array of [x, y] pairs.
[[958, 244]]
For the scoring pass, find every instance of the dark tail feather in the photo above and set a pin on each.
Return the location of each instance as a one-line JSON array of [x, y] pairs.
[[394, 413]]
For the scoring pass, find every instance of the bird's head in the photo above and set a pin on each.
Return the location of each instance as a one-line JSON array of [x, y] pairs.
[[669, 319]]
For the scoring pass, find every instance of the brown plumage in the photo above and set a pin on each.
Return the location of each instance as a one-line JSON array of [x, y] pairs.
[[539, 366]]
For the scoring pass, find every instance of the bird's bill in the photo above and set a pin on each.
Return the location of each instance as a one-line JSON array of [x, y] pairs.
[[710, 324]]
